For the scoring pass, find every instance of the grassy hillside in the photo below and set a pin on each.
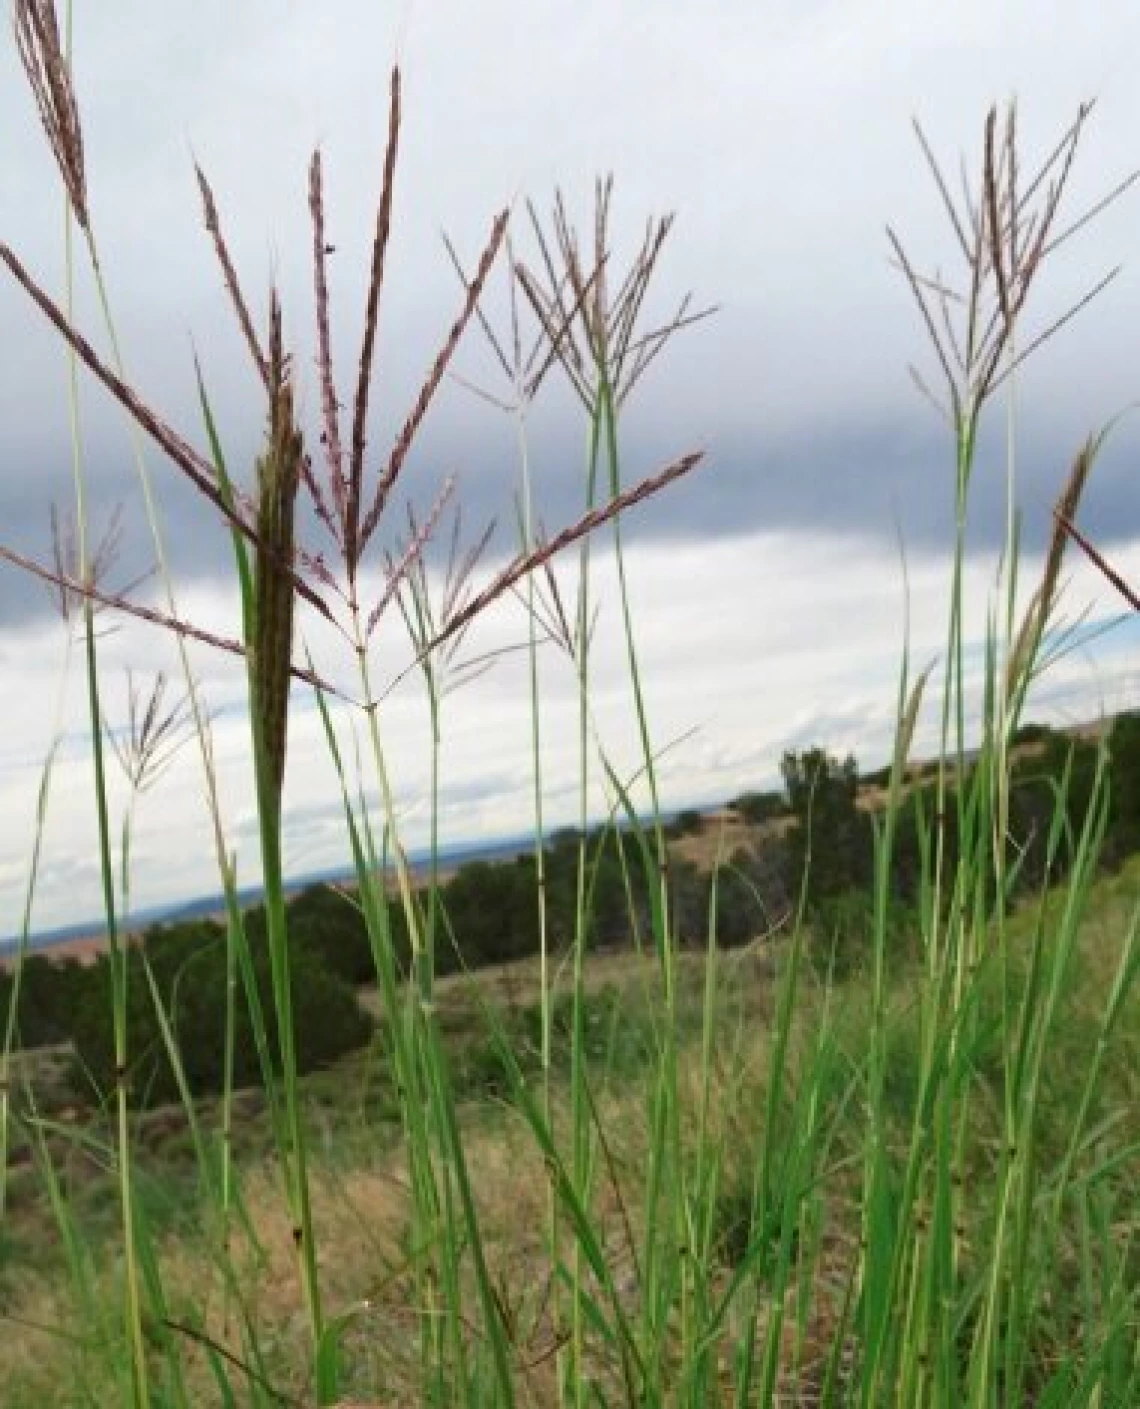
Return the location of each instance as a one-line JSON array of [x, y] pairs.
[[362, 1208]]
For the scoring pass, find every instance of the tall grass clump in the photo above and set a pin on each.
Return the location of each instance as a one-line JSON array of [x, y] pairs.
[[787, 1175], [956, 1308]]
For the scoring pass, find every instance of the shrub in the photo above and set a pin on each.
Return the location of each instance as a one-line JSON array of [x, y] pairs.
[[188, 963], [760, 807], [687, 823], [752, 895], [1124, 811], [49, 991], [832, 841], [880, 778], [492, 911], [1034, 734], [330, 926]]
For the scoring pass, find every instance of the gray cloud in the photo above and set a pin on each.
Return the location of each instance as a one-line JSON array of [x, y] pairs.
[[780, 134]]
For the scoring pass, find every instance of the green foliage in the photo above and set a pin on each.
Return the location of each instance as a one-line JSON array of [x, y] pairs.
[[1033, 734], [617, 1029], [1124, 813], [831, 843], [329, 925], [879, 778], [188, 963], [1050, 793], [1054, 782], [752, 895], [493, 911], [492, 907], [50, 990], [760, 807], [818, 784], [687, 823], [843, 924]]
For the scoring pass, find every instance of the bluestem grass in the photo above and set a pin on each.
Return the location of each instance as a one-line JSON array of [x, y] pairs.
[[1005, 227], [917, 1318], [594, 335], [523, 372], [281, 572]]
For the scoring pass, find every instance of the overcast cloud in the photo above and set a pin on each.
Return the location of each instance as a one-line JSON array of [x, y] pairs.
[[780, 135]]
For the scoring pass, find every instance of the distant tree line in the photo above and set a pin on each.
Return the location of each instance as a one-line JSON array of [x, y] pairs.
[[822, 854], [486, 913]]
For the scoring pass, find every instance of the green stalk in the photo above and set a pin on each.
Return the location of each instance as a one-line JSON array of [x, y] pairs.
[[133, 1305], [574, 1372], [294, 1154], [423, 1040], [12, 1017]]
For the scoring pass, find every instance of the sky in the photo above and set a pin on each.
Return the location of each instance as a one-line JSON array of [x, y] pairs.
[[773, 589]]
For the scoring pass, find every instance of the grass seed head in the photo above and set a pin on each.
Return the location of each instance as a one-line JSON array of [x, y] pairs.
[[48, 70], [278, 478], [1005, 226]]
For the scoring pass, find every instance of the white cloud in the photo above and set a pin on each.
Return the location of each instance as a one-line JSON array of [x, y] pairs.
[[746, 648]]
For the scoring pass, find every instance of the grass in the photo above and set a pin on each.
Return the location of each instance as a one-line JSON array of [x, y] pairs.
[[362, 1208], [658, 1178]]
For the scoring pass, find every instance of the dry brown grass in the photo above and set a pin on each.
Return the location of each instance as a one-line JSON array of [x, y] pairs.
[[722, 834]]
